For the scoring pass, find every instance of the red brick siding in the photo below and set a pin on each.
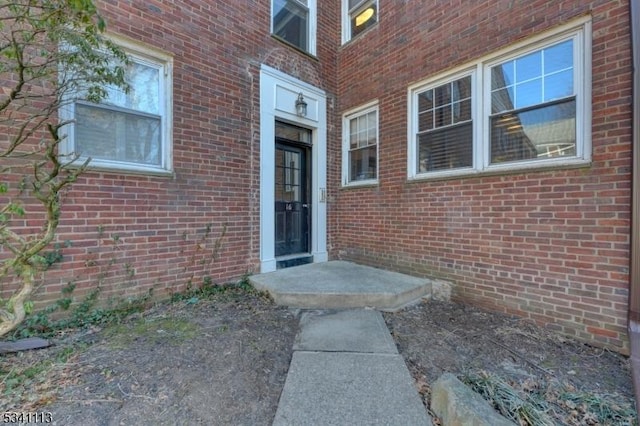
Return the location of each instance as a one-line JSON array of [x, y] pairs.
[[549, 245], [132, 233]]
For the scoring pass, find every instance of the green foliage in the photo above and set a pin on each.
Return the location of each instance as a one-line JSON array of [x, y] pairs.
[[209, 290], [83, 314], [52, 53]]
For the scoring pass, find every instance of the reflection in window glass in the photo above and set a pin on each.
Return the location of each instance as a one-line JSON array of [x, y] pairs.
[[541, 76], [291, 21], [533, 106], [538, 133]]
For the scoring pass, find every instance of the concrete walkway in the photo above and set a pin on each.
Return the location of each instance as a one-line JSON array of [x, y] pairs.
[[346, 370]]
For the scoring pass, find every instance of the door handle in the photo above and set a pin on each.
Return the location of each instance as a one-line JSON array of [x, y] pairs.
[[306, 206]]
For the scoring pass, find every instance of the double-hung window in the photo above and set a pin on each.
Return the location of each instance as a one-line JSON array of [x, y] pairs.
[[444, 139], [294, 21], [525, 107], [360, 145], [533, 105], [357, 16], [126, 131]]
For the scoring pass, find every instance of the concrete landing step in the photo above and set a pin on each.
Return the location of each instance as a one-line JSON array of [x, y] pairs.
[[341, 285]]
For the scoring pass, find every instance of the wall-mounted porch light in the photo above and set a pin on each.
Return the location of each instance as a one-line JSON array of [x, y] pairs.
[[301, 106]]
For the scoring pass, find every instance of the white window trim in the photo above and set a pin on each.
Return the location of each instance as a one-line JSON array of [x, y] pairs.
[[581, 32], [412, 165], [152, 57], [346, 118], [311, 28], [346, 19]]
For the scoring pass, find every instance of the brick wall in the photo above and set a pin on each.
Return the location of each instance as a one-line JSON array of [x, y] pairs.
[[131, 233], [549, 245]]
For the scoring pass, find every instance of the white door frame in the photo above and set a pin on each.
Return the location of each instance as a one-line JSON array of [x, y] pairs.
[[278, 95]]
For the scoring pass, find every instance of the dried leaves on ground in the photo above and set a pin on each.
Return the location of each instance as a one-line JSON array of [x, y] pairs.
[[218, 361], [570, 382], [223, 359]]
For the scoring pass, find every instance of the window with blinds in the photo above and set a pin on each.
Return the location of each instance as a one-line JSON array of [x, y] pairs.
[[520, 109], [445, 130], [360, 145], [127, 130]]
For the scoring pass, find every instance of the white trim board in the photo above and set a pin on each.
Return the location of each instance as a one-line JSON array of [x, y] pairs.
[[278, 93]]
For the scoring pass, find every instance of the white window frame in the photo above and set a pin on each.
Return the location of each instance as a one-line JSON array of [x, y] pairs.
[[311, 6], [580, 32], [346, 16], [149, 57], [346, 143]]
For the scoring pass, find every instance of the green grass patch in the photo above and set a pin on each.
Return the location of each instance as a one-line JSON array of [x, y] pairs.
[[171, 331]]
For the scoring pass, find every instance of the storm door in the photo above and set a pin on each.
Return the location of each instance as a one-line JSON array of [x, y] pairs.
[[292, 180]]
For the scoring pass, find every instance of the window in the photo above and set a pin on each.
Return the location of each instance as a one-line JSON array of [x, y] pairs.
[[444, 137], [357, 16], [527, 107], [131, 130], [360, 145], [533, 105], [294, 22]]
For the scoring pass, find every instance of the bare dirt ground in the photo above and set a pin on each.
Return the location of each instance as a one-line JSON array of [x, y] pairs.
[[224, 361], [572, 377]]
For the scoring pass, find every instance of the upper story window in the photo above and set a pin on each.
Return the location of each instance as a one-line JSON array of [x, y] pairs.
[[522, 108], [294, 21], [360, 145], [357, 16], [127, 131]]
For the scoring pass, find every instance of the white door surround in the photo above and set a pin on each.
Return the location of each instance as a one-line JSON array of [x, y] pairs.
[[278, 95]]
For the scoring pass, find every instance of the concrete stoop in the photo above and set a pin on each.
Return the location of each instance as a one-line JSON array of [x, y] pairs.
[[342, 285]]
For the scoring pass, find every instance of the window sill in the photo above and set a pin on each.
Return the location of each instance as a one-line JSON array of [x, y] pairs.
[[293, 46], [124, 168], [361, 184], [507, 169], [359, 36]]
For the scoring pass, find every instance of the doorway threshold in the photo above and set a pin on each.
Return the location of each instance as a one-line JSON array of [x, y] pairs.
[[293, 260]]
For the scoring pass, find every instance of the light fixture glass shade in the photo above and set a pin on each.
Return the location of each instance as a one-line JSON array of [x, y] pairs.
[[301, 106], [364, 16]]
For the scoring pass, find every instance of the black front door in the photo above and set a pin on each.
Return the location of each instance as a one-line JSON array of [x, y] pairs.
[[292, 202]]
